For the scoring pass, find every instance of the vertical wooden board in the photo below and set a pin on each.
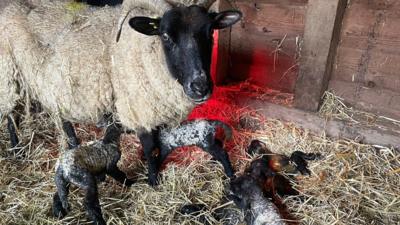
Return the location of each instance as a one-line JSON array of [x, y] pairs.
[[224, 39], [254, 43], [321, 36]]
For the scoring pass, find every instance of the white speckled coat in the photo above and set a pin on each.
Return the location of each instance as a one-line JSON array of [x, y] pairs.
[[94, 158]]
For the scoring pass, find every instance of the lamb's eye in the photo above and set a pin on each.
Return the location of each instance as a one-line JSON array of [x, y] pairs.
[[165, 37]]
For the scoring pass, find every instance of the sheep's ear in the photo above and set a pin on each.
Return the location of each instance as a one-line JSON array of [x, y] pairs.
[[145, 25], [226, 19]]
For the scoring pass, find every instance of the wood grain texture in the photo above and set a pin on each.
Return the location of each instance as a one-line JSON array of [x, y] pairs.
[[370, 46], [321, 36], [377, 100], [377, 135], [224, 44], [254, 43]]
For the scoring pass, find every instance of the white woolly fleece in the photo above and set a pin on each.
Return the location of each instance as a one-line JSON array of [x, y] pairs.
[[67, 58]]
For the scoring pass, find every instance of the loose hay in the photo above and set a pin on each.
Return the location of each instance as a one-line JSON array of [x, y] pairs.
[[352, 184], [334, 107]]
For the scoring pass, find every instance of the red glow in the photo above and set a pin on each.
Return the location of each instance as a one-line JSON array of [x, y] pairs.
[[214, 57], [223, 104]]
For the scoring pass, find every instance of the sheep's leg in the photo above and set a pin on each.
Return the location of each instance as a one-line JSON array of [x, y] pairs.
[[12, 122], [73, 140], [92, 204], [101, 177], [164, 152], [152, 155], [60, 199], [222, 156], [119, 176]]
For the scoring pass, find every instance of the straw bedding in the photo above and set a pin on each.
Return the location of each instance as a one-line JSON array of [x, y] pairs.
[[352, 184]]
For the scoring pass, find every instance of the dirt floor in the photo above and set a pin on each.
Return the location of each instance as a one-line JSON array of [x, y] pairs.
[[352, 184]]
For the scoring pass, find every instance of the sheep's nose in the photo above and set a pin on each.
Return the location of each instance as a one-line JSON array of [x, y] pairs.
[[198, 88]]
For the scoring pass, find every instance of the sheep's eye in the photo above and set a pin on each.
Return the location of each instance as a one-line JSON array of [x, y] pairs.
[[165, 37]]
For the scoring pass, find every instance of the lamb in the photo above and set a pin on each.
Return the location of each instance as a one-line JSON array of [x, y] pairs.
[[254, 191], [70, 61], [261, 178], [278, 163], [84, 167], [198, 132], [248, 196]]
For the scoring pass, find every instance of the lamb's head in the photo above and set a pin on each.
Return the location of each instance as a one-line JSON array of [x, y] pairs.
[[187, 36]]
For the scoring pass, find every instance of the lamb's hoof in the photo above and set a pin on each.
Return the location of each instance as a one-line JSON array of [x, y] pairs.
[[231, 176], [256, 147], [73, 143], [193, 209], [58, 211], [300, 160], [129, 182], [99, 221], [153, 181], [18, 152]]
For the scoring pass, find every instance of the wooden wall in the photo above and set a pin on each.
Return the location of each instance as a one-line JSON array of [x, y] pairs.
[[367, 67], [264, 25]]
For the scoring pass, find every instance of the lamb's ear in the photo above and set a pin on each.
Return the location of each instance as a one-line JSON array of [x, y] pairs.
[[145, 25], [226, 19]]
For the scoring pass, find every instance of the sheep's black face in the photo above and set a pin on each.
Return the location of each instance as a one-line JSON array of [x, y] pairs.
[[187, 37]]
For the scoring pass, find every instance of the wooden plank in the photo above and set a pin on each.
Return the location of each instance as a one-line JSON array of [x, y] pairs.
[[224, 42], [370, 46], [333, 128], [380, 101], [382, 68], [254, 43], [321, 37]]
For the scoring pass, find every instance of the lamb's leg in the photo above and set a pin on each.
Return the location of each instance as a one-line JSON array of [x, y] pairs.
[[69, 129], [300, 159], [165, 150], [152, 155], [12, 122], [60, 199], [221, 155], [92, 203], [195, 210], [120, 176]]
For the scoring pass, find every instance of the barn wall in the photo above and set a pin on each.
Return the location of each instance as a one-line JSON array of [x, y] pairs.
[[253, 42], [367, 68]]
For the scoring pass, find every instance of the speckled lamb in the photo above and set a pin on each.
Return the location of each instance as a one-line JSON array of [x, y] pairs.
[[84, 167], [200, 133]]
